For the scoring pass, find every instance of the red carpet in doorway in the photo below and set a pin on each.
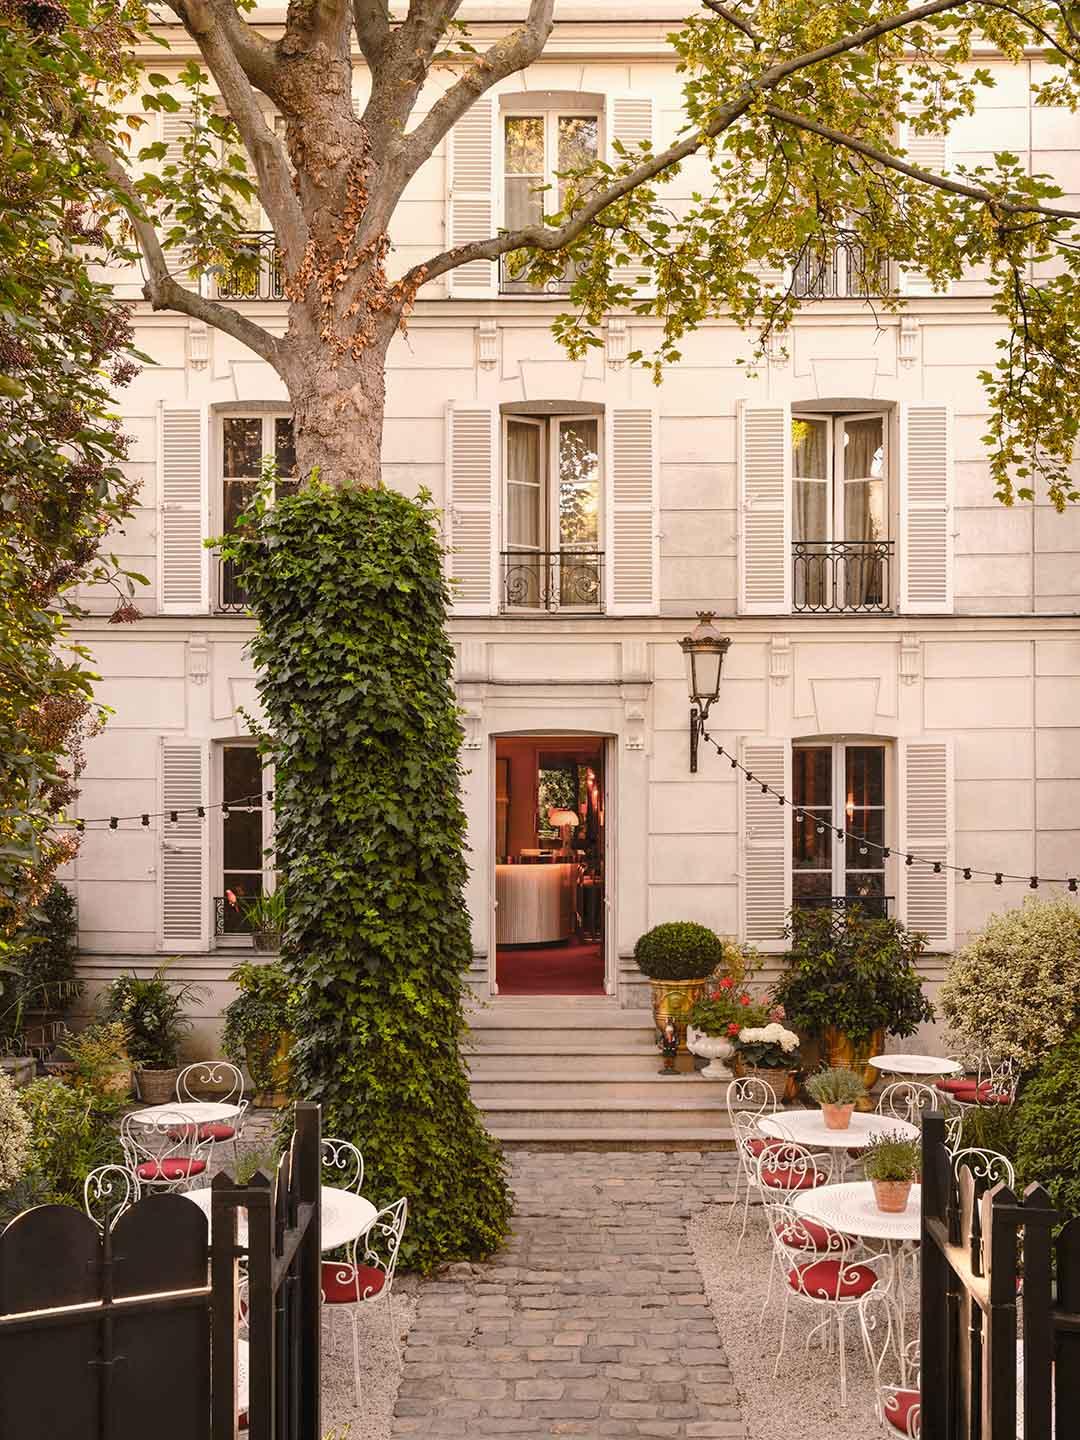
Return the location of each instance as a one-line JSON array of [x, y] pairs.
[[573, 968]]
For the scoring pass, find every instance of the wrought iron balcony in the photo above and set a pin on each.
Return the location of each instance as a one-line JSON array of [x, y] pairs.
[[231, 594], [553, 580], [231, 919], [843, 271], [842, 575], [256, 272], [875, 906]]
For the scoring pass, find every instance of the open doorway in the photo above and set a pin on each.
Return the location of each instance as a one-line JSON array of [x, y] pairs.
[[550, 865]]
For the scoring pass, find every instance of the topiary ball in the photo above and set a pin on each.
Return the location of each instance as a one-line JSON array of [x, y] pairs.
[[679, 950]]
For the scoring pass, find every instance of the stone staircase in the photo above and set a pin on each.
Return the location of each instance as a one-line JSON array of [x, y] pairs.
[[572, 1072]]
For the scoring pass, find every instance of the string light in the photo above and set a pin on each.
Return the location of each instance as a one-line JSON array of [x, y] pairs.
[[113, 822], [145, 821], [967, 872], [1034, 882], [1072, 886], [144, 817], [173, 817], [997, 878]]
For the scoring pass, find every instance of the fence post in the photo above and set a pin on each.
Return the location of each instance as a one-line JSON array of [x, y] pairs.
[[309, 1265], [1067, 1336], [261, 1349], [1000, 1217], [223, 1307], [1039, 1218], [934, 1344]]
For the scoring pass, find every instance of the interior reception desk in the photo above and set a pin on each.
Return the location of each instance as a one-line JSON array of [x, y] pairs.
[[536, 903]]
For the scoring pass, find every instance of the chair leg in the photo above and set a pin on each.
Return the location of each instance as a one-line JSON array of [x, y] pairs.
[[745, 1217], [840, 1318], [783, 1334], [768, 1292], [355, 1354], [735, 1192]]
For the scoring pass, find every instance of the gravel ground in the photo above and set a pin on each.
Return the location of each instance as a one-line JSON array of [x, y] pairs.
[[380, 1368], [804, 1399]]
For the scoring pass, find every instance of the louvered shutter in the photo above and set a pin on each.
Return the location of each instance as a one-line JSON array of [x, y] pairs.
[[182, 559], [928, 152], [471, 195], [471, 508], [632, 565], [926, 831], [630, 121], [185, 907], [925, 510], [764, 508], [765, 827]]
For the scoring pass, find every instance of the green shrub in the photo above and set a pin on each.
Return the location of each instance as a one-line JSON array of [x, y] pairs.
[[892, 1157], [856, 972], [1014, 989], [356, 681], [14, 1135], [990, 1127], [71, 1132], [679, 950], [836, 1085], [258, 1019], [153, 1012], [1047, 1127], [44, 955]]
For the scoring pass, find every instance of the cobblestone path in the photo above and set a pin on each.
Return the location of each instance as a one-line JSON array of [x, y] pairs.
[[593, 1319]]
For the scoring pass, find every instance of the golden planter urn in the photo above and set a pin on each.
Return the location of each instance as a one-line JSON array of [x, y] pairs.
[[673, 1000], [840, 1050]]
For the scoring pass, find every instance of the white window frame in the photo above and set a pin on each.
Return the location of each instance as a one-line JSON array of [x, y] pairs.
[[217, 847], [838, 746], [267, 414]]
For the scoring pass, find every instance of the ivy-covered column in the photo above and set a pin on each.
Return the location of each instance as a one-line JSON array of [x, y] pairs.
[[355, 674]]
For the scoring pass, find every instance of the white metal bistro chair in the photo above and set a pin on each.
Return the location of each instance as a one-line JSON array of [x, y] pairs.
[[166, 1156], [897, 1405], [227, 1084], [342, 1165], [782, 1172], [366, 1278], [908, 1100], [988, 1167], [108, 1191], [747, 1100]]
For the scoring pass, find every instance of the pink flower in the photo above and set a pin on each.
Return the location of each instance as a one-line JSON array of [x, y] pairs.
[[230, 896], [744, 999], [727, 982], [733, 1029], [777, 1013]]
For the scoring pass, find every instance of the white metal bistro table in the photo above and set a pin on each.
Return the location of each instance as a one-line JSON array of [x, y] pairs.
[[851, 1209], [807, 1127], [194, 1112], [345, 1216], [914, 1064]]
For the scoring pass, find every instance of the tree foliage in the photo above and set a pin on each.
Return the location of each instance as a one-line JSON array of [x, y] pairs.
[[355, 680]]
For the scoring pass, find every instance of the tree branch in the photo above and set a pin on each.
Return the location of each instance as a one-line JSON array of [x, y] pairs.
[[255, 54], [165, 293], [733, 19], [371, 21], [926, 177]]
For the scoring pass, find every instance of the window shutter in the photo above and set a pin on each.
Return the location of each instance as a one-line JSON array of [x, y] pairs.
[[182, 559], [471, 195], [925, 510], [632, 561], [471, 508], [184, 847], [765, 826], [630, 121], [764, 508], [926, 830], [928, 152]]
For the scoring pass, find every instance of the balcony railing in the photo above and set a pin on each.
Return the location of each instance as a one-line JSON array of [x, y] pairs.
[[256, 272], [848, 575], [840, 272], [232, 596], [876, 906], [553, 580]]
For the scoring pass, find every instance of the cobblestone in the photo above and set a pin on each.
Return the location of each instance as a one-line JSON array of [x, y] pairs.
[[593, 1319]]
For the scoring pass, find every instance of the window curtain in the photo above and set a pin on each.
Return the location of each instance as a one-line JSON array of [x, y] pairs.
[[864, 505], [525, 573], [810, 509]]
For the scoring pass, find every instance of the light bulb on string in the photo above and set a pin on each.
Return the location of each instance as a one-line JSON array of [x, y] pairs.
[[764, 789], [174, 816], [145, 820], [909, 859], [200, 812], [937, 867], [113, 822], [1033, 883], [1072, 886], [967, 872], [997, 878]]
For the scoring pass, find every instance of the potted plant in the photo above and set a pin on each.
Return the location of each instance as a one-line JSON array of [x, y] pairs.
[[152, 1012], [891, 1163], [264, 915], [678, 957], [769, 1053], [257, 1032], [852, 978], [836, 1089], [98, 1058], [714, 1022]]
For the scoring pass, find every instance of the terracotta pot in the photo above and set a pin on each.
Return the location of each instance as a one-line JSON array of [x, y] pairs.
[[157, 1087], [840, 1050], [776, 1080], [673, 1000], [837, 1117], [891, 1195]]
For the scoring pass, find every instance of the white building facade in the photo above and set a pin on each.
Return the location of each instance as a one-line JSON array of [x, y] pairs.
[[905, 650]]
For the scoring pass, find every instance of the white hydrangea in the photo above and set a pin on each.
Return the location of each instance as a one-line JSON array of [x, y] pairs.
[[771, 1034], [14, 1134]]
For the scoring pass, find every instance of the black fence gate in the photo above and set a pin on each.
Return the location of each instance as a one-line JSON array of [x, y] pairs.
[[1000, 1330], [134, 1331]]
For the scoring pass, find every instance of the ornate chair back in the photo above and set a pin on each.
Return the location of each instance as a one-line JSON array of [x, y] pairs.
[[785, 1169], [908, 1100], [896, 1387], [750, 1094], [342, 1165], [168, 1154], [108, 1191], [987, 1167], [219, 1076]]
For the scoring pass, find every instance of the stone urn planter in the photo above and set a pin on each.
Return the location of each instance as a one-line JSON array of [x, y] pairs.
[[717, 1049], [673, 1000]]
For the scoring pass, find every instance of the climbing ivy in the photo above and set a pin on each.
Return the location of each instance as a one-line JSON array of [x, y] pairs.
[[355, 679]]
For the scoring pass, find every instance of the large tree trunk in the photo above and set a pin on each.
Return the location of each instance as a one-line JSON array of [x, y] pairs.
[[338, 407]]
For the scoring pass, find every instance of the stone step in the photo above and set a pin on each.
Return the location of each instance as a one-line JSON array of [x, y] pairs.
[[581, 1032], [697, 1112], [563, 1090], [615, 1137], [542, 1062]]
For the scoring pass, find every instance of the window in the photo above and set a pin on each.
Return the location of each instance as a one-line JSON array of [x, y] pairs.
[[838, 785], [245, 440], [840, 522], [552, 560], [244, 834], [840, 271], [535, 149]]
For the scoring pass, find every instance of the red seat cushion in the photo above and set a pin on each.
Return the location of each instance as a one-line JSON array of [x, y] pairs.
[[784, 1178], [216, 1131], [808, 1235], [182, 1132], [758, 1147], [174, 1169], [898, 1408], [952, 1087], [341, 1281], [832, 1280], [973, 1093]]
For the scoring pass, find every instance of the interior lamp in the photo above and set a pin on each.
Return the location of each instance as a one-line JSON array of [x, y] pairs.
[[565, 821]]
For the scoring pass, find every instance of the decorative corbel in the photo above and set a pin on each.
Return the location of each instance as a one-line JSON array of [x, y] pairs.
[[616, 342], [487, 344], [910, 659], [198, 659], [198, 345], [907, 340], [780, 659]]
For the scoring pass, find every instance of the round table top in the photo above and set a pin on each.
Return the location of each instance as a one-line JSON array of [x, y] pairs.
[[198, 1112], [345, 1216], [807, 1127], [852, 1209], [914, 1064]]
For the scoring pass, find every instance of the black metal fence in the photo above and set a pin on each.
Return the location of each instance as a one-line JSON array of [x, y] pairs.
[[255, 272], [988, 1259], [876, 906], [133, 1330], [842, 575], [841, 271], [553, 580]]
